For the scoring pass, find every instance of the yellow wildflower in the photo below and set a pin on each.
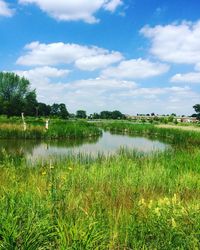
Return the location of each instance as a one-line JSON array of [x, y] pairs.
[[173, 223], [174, 199], [150, 204], [141, 202], [183, 210], [166, 201], [157, 211]]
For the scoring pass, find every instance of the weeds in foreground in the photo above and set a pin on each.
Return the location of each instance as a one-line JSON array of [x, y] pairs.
[[126, 201]]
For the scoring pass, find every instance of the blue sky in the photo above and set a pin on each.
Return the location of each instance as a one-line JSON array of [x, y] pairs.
[[137, 56]]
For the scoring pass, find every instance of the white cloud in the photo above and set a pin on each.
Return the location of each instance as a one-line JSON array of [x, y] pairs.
[[197, 67], [192, 77], [40, 76], [135, 99], [47, 72], [175, 43], [112, 5], [135, 69], [104, 84], [74, 10], [98, 61], [159, 100], [5, 10], [95, 95], [154, 92], [84, 57]]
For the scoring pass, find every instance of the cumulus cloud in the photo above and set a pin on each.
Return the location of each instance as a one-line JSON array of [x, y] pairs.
[[159, 100], [91, 94], [67, 10], [176, 43], [5, 10], [84, 57], [104, 84], [192, 77], [155, 92], [135, 69], [112, 5], [91, 63], [197, 67], [42, 75], [97, 94]]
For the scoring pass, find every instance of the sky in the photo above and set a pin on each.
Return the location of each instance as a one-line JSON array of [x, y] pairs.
[[136, 56]]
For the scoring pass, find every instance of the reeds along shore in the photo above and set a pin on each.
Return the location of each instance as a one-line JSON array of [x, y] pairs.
[[126, 201], [172, 135], [57, 130]]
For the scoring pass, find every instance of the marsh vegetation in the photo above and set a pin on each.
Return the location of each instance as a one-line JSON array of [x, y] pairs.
[[128, 200]]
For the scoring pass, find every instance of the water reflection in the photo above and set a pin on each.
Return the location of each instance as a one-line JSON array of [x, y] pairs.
[[107, 144]]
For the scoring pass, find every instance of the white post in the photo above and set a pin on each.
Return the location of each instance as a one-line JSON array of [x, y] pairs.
[[47, 125], [24, 123]]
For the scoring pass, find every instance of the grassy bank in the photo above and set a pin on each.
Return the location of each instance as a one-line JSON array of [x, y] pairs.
[[173, 135], [122, 202], [125, 201], [57, 130], [187, 127]]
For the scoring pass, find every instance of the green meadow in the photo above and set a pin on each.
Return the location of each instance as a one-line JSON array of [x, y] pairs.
[[129, 200]]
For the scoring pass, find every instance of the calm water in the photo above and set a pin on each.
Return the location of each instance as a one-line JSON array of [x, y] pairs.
[[107, 144]]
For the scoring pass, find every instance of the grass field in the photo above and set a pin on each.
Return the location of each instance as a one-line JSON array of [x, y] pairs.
[[187, 128], [125, 201]]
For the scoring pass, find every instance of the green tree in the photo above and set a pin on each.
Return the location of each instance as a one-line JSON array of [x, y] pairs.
[[43, 110], [117, 115], [112, 115], [81, 114], [170, 118], [63, 113], [30, 104], [106, 115], [14, 94], [95, 116], [197, 108], [59, 110], [55, 109]]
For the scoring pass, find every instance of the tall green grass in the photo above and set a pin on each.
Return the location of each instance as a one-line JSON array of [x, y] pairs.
[[174, 136], [123, 201], [126, 201], [57, 130]]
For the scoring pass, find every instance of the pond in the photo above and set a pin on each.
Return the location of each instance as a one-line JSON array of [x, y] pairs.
[[106, 144]]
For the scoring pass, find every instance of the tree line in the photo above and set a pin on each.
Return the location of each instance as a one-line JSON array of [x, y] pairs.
[[108, 115], [16, 97]]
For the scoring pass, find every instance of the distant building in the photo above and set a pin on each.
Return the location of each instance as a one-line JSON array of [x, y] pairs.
[[177, 118], [188, 119]]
